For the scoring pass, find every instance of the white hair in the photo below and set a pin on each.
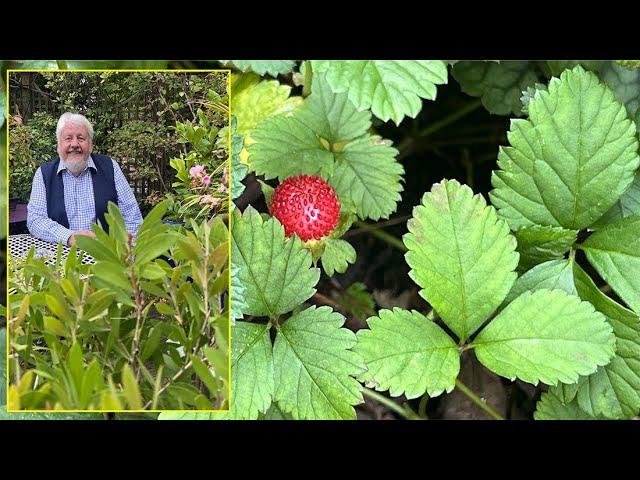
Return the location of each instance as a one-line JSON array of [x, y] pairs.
[[76, 119]]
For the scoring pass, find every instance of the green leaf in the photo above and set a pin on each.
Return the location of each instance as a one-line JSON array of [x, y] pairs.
[[238, 169], [538, 244], [276, 273], [571, 161], [556, 67], [549, 407], [614, 390], [625, 85], [629, 204], [326, 136], [271, 67], [551, 275], [205, 375], [614, 251], [461, 254], [148, 249], [260, 100], [314, 366], [252, 376], [629, 64], [392, 89], [131, 390], [113, 273], [499, 85], [405, 352], [238, 303], [337, 256], [547, 336]]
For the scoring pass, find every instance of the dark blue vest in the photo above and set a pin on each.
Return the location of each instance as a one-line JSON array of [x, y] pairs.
[[104, 189]]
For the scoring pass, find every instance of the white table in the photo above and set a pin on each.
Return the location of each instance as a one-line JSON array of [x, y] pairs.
[[19, 246]]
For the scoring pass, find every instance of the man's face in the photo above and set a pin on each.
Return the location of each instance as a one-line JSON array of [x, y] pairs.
[[74, 147]]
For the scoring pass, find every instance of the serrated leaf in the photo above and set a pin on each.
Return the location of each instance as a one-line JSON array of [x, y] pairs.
[[315, 366], [546, 336], [614, 390], [571, 161], [271, 67], [237, 294], [538, 244], [407, 353], [259, 101], [551, 275], [499, 85], [392, 89], [625, 85], [549, 407], [629, 204], [461, 254], [276, 272], [556, 67], [614, 251], [337, 256], [238, 169], [327, 136]]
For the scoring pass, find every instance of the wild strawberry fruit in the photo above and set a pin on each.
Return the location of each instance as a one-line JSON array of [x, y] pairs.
[[306, 206]]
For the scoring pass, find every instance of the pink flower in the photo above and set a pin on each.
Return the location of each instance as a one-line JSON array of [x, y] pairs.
[[195, 171], [206, 180]]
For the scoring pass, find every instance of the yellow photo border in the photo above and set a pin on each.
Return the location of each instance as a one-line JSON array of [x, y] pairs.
[[230, 167]]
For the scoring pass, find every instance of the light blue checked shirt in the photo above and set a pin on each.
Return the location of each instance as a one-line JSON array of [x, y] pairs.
[[79, 203]]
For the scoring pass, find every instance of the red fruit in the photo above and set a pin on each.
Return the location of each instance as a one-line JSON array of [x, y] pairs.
[[306, 206]]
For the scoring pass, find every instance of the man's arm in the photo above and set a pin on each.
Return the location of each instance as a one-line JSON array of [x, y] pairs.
[[38, 221], [127, 201]]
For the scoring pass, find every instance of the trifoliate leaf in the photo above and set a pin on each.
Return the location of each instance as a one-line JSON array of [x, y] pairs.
[[549, 407], [614, 251], [461, 254], [337, 256], [392, 89], [314, 366], [271, 67], [238, 169], [252, 381], [499, 85], [259, 100], [538, 244], [237, 294], [326, 136], [407, 353], [571, 161], [614, 390], [629, 204], [546, 336], [551, 275], [625, 85], [276, 272]]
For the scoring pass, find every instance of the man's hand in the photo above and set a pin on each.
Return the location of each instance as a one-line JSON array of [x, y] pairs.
[[72, 239]]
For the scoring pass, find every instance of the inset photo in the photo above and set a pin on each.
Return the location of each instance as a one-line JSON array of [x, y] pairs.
[[118, 241]]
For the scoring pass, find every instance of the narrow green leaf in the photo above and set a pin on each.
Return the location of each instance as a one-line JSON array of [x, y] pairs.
[[407, 353], [314, 366], [461, 254], [131, 390], [614, 251], [205, 375], [547, 336]]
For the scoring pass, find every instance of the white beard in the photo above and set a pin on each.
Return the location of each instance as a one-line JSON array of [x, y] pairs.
[[76, 167]]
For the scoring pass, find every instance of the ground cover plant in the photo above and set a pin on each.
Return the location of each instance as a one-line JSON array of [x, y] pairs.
[[485, 259]]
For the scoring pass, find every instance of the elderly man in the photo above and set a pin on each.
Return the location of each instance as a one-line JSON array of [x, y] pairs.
[[71, 192]]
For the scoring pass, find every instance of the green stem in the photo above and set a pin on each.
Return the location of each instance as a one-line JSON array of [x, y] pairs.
[[443, 122], [477, 400], [387, 402], [422, 407], [390, 239]]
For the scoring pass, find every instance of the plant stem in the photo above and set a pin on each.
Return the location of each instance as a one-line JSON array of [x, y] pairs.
[[387, 402], [386, 223], [390, 239], [477, 400], [422, 407]]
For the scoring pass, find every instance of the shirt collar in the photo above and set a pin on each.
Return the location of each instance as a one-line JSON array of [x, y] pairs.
[[90, 164]]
